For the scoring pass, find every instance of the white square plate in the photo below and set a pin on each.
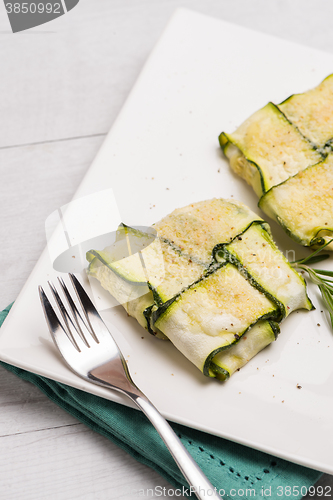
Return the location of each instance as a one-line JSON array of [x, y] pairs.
[[204, 76]]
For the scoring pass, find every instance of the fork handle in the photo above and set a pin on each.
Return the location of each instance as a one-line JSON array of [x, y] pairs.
[[106, 375], [199, 483]]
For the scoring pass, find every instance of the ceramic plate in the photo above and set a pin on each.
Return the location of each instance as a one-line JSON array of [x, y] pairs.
[[204, 76]]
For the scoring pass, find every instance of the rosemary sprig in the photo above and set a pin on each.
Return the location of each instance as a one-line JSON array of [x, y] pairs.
[[325, 285]]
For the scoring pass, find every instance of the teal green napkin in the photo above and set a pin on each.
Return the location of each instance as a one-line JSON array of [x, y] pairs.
[[235, 470]]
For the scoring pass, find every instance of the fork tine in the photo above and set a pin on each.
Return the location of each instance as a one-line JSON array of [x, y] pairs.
[[65, 316], [58, 333], [76, 313], [91, 313]]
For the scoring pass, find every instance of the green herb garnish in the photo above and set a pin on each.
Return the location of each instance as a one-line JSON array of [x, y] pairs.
[[325, 285]]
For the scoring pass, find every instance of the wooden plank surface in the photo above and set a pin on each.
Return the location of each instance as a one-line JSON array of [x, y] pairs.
[[38, 179], [46, 453], [62, 86], [70, 77]]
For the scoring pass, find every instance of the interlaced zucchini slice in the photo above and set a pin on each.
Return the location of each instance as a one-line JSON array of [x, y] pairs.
[[212, 288], [135, 296], [303, 204], [312, 112], [267, 149], [224, 362], [267, 268]]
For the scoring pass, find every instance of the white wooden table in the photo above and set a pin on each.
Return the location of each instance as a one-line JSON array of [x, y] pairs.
[[61, 87]]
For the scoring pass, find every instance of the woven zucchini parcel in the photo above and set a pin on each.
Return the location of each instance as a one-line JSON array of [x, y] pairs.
[[285, 152], [211, 280]]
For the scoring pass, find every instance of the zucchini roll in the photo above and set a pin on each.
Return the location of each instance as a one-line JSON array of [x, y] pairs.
[[285, 153], [211, 280]]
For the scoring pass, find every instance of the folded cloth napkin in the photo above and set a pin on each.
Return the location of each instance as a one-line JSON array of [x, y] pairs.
[[235, 470]]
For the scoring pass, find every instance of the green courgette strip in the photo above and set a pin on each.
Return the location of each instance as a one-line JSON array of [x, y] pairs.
[[221, 371], [244, 272], [162, 307], [311, 112], [272, 144], [257, 179], [303, 192], [228, 253]]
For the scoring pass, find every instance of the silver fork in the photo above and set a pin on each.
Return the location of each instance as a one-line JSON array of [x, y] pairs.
[[89, 349]]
